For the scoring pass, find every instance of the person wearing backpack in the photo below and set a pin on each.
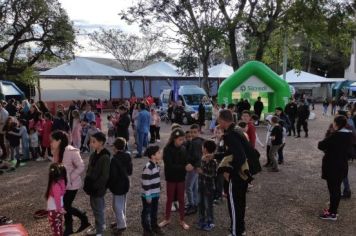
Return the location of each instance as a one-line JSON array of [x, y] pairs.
[[119, 183], [96, 179]]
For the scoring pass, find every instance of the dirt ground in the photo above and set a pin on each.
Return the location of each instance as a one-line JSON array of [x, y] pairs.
[[284, 203]]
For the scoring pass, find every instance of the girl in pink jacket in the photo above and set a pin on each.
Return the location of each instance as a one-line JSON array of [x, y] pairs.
[[70, 158], [55, 191]]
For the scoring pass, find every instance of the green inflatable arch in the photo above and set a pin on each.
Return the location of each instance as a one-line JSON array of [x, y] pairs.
[[255, 79]]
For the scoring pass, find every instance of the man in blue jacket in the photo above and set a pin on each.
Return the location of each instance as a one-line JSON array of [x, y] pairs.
[[143, 127]]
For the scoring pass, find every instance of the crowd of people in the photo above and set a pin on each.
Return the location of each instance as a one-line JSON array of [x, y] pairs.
[[198, 172]]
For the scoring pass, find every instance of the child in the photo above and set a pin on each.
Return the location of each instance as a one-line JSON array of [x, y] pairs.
[[256, 120], [34, 143], [24, 139], [151, 187], [46, 136], [194, 153], [91, 130], [96, 179], [56, 188], [268, 139], [155, 127], [111, 130], [14, 141], [175, 165], [98, 120], [76, 129], [119, 183], [243, 126], [84, 132], [219, 155], [207, 174], [276, 141], [280, 150]]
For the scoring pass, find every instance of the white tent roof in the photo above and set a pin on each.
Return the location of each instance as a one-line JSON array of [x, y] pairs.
[[84, 67], [294, 76], [221, 71], [160, 69]]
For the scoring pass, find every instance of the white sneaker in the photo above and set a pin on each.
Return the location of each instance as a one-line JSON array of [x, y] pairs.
[[40, 159], [91, 231], [158, 140], [134, 152], [50, 158]]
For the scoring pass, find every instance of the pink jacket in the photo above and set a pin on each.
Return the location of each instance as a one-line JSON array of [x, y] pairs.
[[55, 200], [74, 165]]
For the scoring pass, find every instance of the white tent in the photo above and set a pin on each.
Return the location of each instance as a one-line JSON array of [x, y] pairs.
[[159, 69], [295, 77], [220, 71], [83, 67]]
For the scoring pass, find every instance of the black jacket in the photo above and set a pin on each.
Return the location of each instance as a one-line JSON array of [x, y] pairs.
[[291, 110], [303, 112], [97, 176], [194, 151], [234, 144], [123, 126], [60, 124], [175, 159], [258, 107], [120, 170], [338, 149]]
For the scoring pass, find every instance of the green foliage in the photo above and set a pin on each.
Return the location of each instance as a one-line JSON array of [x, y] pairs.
[[32, 30]]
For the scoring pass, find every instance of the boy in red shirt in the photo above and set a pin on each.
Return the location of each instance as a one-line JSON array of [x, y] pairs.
[[251, 129]]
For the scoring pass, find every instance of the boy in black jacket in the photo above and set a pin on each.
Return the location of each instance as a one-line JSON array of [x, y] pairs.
[[119, 183], [96, 180], [194, 158]]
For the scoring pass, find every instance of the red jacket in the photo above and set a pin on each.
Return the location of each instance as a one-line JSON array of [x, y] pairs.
[[251, 132]]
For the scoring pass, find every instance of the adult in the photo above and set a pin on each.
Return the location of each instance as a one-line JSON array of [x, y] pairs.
[[178, 112], [59, 123], [292, 111], [325, 107], [3, 118], [338, 149], [258, 107], [11, 107], [303, 116], [25, 106], [73, 106], [143, 127], [201, 115], [33, 112], [233, 142], [123, 124], [42, 106], [70, 157], [88, 114], [214, 117]]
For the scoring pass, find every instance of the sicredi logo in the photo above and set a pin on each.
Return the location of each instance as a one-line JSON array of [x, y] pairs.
[[253, 84]]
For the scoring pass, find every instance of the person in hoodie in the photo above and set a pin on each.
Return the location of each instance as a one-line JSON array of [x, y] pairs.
[[191, 180], [119, 183], [123, 124], [96, 180], [70, 158], [143, 127], [338, 149]]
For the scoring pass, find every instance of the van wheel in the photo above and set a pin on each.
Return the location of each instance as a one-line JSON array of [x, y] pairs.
[[185, 120]]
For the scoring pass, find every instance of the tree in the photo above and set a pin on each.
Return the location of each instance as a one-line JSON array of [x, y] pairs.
[[196, 25], [187, 63], [235, 14], [128, 49], [31, 30]]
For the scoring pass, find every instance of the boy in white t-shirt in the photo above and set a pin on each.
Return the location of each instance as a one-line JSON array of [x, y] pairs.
[[34, 144]]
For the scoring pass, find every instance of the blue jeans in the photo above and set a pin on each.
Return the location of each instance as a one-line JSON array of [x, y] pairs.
[[98, 207], [15, 152], [346, 184], [206, 198], [141, 141], [119, 207], [191, 187], [149, 214], [25, 148]]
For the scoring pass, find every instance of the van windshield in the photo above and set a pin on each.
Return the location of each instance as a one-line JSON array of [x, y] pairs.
[[193, 99]]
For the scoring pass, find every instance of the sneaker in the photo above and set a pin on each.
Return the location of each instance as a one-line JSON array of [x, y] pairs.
[[173, 209], [50, 158], [200, 225], [91, 231], [328, 216], [83, 226], [40, 159], [209, 227], [191, 211], [346, 195], [158, 140], [134, 152]]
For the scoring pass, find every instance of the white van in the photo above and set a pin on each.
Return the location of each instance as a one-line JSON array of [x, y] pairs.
[[191, 96]]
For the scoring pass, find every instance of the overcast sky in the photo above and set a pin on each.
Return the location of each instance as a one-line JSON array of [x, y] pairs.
[[89, 15]]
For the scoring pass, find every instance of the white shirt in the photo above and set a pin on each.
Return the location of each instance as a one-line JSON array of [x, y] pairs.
[[34, 140]]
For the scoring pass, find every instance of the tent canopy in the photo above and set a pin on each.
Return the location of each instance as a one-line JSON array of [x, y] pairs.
[[294, 76], [84, 67], [220, 71], [159, 69]]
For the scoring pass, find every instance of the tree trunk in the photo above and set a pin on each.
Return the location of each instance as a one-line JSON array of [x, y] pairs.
[[132, 90], [260, 50], [310, 59], [232, 45], [206, 76]]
